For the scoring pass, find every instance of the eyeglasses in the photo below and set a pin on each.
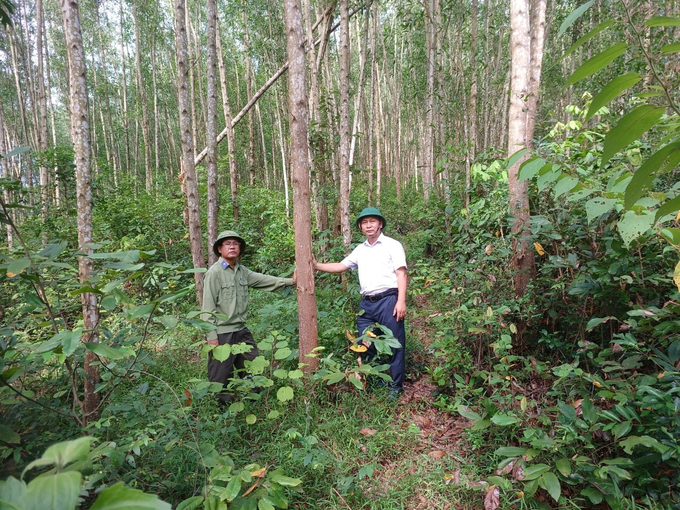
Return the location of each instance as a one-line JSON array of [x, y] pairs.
[[231, 243]]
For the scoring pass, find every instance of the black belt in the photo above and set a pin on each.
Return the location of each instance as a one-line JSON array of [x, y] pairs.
[[378, 297]]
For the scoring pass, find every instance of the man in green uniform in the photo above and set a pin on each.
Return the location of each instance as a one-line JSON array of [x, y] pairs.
[[225, 293]]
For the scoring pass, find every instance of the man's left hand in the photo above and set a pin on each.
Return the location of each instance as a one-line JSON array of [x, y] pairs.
[[399, 311]]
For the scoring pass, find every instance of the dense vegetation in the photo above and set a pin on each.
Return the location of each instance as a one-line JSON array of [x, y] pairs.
[[564, 397]]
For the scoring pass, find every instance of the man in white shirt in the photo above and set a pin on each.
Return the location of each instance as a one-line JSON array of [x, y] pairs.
[[381, 262]]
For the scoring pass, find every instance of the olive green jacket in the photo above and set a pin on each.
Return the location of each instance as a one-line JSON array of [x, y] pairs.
[[225, 292]]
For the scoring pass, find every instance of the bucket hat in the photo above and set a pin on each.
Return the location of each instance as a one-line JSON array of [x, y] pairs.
[[228, 234], [371, 211]]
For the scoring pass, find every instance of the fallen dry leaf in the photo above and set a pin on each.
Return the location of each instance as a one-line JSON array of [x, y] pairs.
[[368, 432], [492, 498], [437, 454], [259, 473], [188, 394]]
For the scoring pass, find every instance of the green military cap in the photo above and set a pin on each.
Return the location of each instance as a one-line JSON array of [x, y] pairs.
[[371, 211], [228, 234]]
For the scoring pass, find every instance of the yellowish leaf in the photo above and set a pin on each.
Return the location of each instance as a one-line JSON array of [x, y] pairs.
[[676, 275], [350, 336], [539, 249], [488, 249], [259, 473], [371, 334], [358, 348], [11, 275]]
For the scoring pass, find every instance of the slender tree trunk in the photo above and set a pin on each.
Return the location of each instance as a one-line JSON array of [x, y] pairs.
[[146, 130], [428, 148], [301, 201], [80, 134], [211, 129], [5, 174], [519, 138], [249, 92], [344, 123], [43, 133], [231, 143], [123, 93], [189, 169]]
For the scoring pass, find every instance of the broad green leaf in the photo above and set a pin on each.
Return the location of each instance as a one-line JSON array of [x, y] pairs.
[[131, 256], [582, 40], [551, 484], [481, 425], [112, 285], [595, 496], [533, 472], [612, 90], [597, 63], [282, 353], [563, 466], [547, 175], [670, 48], [596, 207], [52, 251], [169, 321], [665, 158], [530, 168], [296, 374], [105, 351], [7, 435], [575, 14], [17, 266], [504, 420], [222, 352], [629, 128], [70, 342], [285, 481], [646, 441], [284, 394], [335, 377], [109, 303], [466, 412], [672, 235], [358, 384], [124, 266], [264, 505], [511, 451], [251, 419], [62, 454], [672, 206], [565, 184], [193, 503], [53, 342], [663, 21], [140, 311], [12, 494], [516, 156], [232, 490], [120, 497], [53, 492], [621, 429], [16, 151], [633, 225], [596, 321]]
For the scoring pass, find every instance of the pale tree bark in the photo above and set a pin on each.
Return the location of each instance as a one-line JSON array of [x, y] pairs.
[[520, 133], [231, 143], [80, 134], [211, 128], [146, 130], [5, 174], [299, 150], [363, 57], [43, 133], [249, 92], [428, 143], [188, 167], [123, 95], [344, 50], [471, 150]]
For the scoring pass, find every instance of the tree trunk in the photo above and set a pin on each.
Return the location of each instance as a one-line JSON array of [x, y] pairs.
[[146, 131], [249, 92], [299, 150], [80, 134], [43, 133], [344, 123], [189, 169], [211, 129], [428, 143], [519, 138]]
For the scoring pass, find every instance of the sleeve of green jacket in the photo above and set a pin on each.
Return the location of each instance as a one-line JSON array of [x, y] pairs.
[[268, 283], [211, 290]]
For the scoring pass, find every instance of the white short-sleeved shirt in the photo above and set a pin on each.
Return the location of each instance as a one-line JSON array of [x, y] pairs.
[[377, 263]]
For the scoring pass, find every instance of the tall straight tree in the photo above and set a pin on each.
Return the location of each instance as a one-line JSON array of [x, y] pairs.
[[524, 84], [146, 130], [299, 162], [188, 165], [211, 128], [344, 123], [80, 134], [42, 118]]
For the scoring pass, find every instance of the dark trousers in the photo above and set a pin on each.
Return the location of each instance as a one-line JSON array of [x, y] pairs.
[[222, 371], [380, 311]]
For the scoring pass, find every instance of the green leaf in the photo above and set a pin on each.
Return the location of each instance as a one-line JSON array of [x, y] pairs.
[[17, 266], [565, 184], [665, 158], [285, 481], [120, 497], [633, 225], [53, 492], [533, 472], [672, 235], [16, 151], [621, 429], [511, 451], [264, 505], [466, 412], [582, 40], [62, 454], [140, 311], [7, 435], [504, 420], [282, 353], [597, 63], [105, 351], [335, 377], [12, 494], [285, 393], [109, 302], [663, 21], [563, 466], [251, 419], [232, 490], [672, 206], [595, 496], [52, 251], [648, 442], [551, 484], [630, 128], [221, 352], [596, 321], [670, 48], [516, 157], [596, 207], [71, 340], [612, 90], [530, 168], [191, 503], [575, 14]]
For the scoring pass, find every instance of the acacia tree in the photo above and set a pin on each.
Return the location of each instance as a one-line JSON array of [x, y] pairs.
[[299, 150], [80, 134], [525, 41]]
